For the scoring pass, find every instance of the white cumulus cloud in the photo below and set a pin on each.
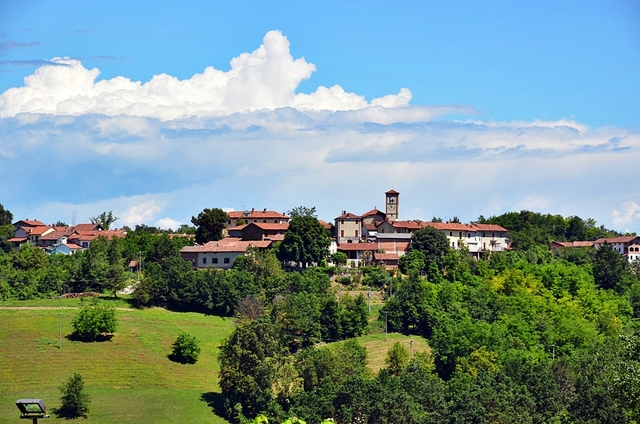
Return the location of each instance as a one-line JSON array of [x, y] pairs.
[[266, 78], [141, 213], [629, 212], [168, 223]]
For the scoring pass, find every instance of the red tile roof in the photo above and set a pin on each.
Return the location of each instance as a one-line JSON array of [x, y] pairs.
[[392, 191], [385, 256], [31, 223], [372, 212], [91, 235], [16, 239], [574, 243], [228, 244], [348, 215], [270, 226], [254, 214], [358, 246], [86, 227], [325, 224], [369, 227], [447, 226], [623, 239], [489, 227]]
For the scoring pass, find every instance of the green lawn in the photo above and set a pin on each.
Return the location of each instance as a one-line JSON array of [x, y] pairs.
[[129, 378]]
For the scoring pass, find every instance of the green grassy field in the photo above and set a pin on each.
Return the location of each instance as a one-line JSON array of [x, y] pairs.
[[129, 378]]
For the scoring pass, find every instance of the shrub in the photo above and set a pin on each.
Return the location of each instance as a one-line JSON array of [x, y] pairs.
[[94, 321], [186, 349], [75, 402]]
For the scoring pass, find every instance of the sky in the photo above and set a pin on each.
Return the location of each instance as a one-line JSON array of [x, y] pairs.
[[157, 110]]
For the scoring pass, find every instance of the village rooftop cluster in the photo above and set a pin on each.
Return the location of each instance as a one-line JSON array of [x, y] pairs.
[[374, 237]]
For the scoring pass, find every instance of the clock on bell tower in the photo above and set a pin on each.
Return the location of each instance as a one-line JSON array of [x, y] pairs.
[[393, 204]]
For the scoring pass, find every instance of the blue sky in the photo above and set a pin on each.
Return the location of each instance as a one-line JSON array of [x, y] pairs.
[[482, 108]]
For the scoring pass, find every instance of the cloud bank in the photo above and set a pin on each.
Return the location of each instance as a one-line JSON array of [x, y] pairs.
[[161, 151], [266, 78]]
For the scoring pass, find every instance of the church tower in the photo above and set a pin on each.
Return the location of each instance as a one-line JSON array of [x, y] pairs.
[[393, 205]]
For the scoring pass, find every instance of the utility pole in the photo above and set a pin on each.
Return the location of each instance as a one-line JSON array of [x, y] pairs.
[[60, 334], [369, 296], [410, 349]]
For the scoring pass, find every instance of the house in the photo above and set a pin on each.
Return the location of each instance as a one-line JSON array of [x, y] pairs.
[[358, 252], [622, 245], [388, 260], [264, 216], [84, 238], [393, 243], [221, 253], [374, 216], [56, 237], [264, 231], [348, 228], [28, 231], [486, 237], [64, 249]]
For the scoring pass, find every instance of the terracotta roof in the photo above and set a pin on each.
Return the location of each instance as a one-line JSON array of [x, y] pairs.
[[448, 226], [270, 226], [373, 211], [325, 224], [574, 243], [228, 244], [31, 223], [348, 215], [488, 227], [86, 227], [358, 246], [15, 239], [55, 235], [623, 239], [254, 214], [370, 227], [72, 246], [385, 256], [91, 235], [37, 230], [413, 225], [276, 237], [392, 191]]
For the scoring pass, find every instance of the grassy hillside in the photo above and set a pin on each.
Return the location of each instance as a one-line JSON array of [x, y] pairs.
[[129, 377]]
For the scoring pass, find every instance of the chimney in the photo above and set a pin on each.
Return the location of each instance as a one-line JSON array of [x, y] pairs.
[[265, 209], [252, 209]]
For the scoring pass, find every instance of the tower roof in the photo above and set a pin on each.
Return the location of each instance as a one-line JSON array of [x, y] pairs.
[[392, 191]]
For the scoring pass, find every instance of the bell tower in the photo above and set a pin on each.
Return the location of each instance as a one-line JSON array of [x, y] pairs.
[[392, 204]]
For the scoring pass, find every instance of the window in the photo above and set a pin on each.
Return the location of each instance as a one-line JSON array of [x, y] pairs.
[[356, 233], [264, 220], [392, 200], [255, 220], [204, 260], [342, 222], [453, 244], [450, 233], [229, 222], [226, 260], [214, 260], [341, 233]]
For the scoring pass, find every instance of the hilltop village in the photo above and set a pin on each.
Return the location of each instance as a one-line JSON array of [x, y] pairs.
[[374, 237]]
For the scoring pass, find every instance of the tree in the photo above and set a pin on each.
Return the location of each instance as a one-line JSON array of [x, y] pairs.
[[432, 243], [75, 401], [306, 241], [209, 224], [186, 349], [94, 321], [339, 258], [6, 217], [397, 358], [608, 267], [105, 219], [415, 260], [303, 211]]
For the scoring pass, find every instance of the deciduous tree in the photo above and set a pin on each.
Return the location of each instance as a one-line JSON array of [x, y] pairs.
[[305, 242], [105, 220], [209, 224]]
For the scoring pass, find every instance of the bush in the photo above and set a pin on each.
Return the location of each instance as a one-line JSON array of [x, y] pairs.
[[186, 349], [95, 321], [75, 402]]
